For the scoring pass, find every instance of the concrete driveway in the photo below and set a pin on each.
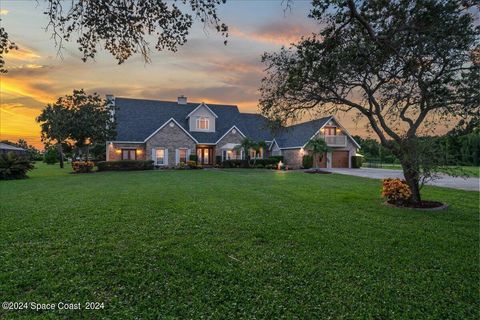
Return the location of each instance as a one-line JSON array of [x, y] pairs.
[[471, 184]]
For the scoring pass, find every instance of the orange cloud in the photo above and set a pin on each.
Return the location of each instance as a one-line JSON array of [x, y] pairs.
[[23, 53], [280, 33]]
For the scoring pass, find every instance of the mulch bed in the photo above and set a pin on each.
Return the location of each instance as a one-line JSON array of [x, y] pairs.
[[424, 205], [317, 171]]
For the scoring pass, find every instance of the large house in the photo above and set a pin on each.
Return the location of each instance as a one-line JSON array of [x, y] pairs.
[[168, 132]]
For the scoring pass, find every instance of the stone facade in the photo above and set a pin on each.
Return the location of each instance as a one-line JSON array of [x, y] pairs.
[[230, 137], [292, 158], [170, 137], [114, 150]]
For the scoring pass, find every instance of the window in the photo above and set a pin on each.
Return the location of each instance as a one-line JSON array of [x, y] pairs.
[[129, 154], [203, 123], [160, 157], [254, 154], [330, 131], [182, 155]]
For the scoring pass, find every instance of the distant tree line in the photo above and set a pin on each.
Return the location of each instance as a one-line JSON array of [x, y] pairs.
[[459, 146]]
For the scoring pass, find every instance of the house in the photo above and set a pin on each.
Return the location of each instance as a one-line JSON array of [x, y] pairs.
[[6, 148], [169, 132]]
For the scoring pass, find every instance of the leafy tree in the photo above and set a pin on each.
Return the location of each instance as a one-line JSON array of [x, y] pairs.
[[317, 147], [123, 27], [92, 119], [51, 155], [55, 123], [405, 66]]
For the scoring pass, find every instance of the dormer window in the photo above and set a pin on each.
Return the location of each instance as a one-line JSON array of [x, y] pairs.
[[203, 123]]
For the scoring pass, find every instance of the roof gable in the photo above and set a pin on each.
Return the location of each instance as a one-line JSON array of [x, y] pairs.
[[202, 105]]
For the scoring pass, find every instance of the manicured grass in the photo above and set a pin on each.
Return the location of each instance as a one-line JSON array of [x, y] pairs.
[[234, 244], [468, 171]]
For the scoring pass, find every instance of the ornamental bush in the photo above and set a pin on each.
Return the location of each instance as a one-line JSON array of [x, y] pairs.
[[193, 157], [51, 156], [307, 161], [357, 162], [13, 166], [396, 191], [125, 165], [82, 166]]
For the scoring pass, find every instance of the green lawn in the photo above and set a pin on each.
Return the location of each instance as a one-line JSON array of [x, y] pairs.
[[234, 244], [468, 171]]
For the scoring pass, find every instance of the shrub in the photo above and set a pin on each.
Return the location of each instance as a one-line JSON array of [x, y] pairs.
[[13, 166], [50, 156], [396, 191], [276, 158], [357, 161], [82, 166], [271, 166], [218, 160], [193, 165], [307, 161], [235, 164], [193, 157], [259, 166], [125, 165]]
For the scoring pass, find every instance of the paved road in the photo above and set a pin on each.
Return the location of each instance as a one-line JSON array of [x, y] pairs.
[[444, 180]]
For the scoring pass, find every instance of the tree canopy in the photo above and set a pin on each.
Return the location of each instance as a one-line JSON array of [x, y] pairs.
[[123, 27], [403, 65]]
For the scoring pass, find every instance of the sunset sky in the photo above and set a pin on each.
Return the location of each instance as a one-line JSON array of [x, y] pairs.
[[203, 70]]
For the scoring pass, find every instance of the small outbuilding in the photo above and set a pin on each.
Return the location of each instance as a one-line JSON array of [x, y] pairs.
[[6, 148]]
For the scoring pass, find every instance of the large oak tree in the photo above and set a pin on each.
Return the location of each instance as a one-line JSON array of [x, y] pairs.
[[123, 27], [403, 65]]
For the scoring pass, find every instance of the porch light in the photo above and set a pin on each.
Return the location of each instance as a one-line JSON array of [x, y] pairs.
[[139, 151], [118, 151], [301, 151]]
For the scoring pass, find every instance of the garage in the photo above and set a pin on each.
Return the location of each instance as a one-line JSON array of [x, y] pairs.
[[340, 159]]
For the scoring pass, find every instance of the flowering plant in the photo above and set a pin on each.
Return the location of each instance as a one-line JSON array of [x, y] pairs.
[[82, 166], [396, 191]]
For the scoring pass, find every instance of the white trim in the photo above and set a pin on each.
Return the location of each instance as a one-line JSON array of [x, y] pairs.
[[345, 130], [271, 145], [201, 105], [197, 122], [127, 141], [300, 147], [234, 127], [167, 122], [165, 156]]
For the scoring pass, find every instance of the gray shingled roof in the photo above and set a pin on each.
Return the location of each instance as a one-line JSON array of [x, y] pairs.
[[297, 135], [5, 146], [137, 119]]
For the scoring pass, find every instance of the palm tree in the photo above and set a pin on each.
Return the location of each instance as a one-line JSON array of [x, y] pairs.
[[247, 145], [317, 147]]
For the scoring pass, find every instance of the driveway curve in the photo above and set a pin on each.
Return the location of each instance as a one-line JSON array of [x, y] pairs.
[[470, 184]]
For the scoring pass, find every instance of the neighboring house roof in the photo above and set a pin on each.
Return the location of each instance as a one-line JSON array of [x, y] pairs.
[[5, 146], [297, 135], [138, 119]]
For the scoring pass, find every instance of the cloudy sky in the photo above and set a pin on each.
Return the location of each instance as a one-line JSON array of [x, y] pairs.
[[203, 70]]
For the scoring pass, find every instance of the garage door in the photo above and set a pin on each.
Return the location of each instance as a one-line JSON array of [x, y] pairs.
[[340, 159]]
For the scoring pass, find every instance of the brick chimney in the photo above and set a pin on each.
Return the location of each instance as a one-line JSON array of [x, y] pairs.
[[182, 100]]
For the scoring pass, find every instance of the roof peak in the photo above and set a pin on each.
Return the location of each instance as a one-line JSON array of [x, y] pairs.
[[176, 103]]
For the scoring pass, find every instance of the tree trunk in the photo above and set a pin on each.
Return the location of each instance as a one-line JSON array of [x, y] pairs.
[[413, 180], [60, 151]]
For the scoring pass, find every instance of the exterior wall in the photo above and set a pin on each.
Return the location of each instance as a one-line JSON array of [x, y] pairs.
[[114, 150], [202, 112], [292, 158], [350, 147], [171, 138], [229, 138]]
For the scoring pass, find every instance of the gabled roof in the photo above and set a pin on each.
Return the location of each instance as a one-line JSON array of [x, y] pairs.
[[199, 106], [138, 119], [297, 135]]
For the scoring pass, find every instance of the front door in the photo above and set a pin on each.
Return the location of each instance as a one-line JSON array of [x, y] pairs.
[[205, 155]]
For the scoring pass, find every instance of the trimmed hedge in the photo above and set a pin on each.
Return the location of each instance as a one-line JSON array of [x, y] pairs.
[[357, 161], [259, 163], [125, 165], [307, 161], [193, 157], [277, 158]]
